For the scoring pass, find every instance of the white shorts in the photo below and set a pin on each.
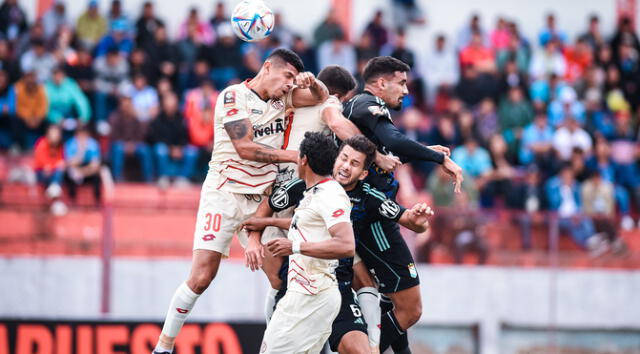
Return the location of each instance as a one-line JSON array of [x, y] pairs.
[[220, 215], [301, 323]]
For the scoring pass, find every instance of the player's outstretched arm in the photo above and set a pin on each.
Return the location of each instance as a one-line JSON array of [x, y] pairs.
[[416, 218], [309, 91], [341, 245], [240, 132]]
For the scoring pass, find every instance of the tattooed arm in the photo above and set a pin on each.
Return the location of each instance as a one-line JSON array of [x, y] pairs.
[[241, 134]]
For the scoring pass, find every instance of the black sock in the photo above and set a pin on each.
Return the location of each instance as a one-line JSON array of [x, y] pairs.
[[390, 330], [401, 345]]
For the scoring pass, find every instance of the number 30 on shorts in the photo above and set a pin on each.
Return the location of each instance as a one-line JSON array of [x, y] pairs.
[[212, 222]]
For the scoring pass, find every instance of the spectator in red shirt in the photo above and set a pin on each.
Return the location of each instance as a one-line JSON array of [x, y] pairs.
[[578, 58], [477, 55], [49, 166], [500, 36], [198, 112]]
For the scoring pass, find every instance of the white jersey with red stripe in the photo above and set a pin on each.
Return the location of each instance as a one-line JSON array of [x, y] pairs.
[[323, 206], [233, 173], [302, 120]]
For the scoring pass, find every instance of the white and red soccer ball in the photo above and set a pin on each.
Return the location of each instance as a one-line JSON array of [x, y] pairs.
[[252, 20]]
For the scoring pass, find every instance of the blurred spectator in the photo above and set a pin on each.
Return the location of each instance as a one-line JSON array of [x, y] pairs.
[[199, 72], [147, 25], [400, 50], [31, 110], [24, 43], [144, 99], [551, 32], [219, 16], [140, 64], [598, 199], [625, 33], [578, 165], [7, 63], [528, 197], [82, 71], [548, 61], [224, 58], [306, 53], [485, 121], [187, 49], [475, 86], [13, 20], [445, 132], [91, 26], [537, 142], [48, 163], [602, 163], [118, 37], [441, 69], [68, 105], [111, 73], [469, 232], [570, 136], [40, 61], [498, 181], [329, 29], [169, 136], [7, 111], [128, 138], [598, 121], [477, 55], [198, 113], [55, 18], [82, 160], [614, 94], [515, 113], [501, 35], [629, 66], [337, 51], [413, 126], [438, 183], [406, 12], [566, 105], [466, 33], [163, 54], [624, 153], [472, 158], [510, 77], [544, 91], [377, 30], [515, 52], [578, 58], [282, 31], [63, 47], [563, 194], [202, 30], [116, 15], [365, 49], [593, 37]]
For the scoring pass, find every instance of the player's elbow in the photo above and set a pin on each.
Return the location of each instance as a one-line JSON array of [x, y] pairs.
[[349, 249]]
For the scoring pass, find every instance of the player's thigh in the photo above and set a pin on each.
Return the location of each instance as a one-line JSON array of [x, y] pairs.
[[219, 215], [349, 319], [271, 266], [354, 342], [362, 278]]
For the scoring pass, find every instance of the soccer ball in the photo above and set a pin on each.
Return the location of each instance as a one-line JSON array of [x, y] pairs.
[[252, 20]]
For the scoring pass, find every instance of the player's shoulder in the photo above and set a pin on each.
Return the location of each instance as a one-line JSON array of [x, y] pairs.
[[329, 189], [372, 192], [232, 94], [366, 99]]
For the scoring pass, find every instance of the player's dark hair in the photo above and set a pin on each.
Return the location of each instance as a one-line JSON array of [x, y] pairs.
[[361, 144], [289, 57], [321, 152], [338, 80], [380, 66]]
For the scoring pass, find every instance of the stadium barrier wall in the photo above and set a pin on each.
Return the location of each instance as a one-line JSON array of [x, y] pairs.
[[69, 288]]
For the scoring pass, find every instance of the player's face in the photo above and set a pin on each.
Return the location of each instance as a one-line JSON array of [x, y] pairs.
[[281, 79], [395, 89], [349, 167]]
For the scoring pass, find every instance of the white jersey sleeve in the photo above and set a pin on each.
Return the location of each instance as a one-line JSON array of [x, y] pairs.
[[334, 207], [233, 106]]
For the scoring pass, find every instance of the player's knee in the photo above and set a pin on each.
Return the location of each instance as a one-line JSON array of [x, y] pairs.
[[415, 312], [199, 281], [350, 345], [275, 281]]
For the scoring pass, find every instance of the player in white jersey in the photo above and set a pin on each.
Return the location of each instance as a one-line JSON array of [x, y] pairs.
[[249, 127], [319, 235], [325, 118]]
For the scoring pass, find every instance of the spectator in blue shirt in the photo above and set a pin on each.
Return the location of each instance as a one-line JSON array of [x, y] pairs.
[[82, 158], [118, 37], [472, 158], [7, 110], [537, 141]]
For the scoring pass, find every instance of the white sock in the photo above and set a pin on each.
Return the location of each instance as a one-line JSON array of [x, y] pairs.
[[269, 303], [161, 349], [370, 305], [180, 307]]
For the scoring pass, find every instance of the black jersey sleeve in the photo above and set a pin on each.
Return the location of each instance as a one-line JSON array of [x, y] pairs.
[[400, 145], [377, 203], [287, 195]]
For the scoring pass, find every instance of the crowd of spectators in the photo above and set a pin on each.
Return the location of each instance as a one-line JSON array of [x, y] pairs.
[[537, 123]]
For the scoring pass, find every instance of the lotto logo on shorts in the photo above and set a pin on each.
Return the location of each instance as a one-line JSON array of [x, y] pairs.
[[208, 237], [412, 270]]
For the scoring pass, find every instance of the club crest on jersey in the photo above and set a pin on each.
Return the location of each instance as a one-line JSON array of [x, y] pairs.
[[273, 128], [280, 198], [229, 99], [412, 270], [378, 111], [277, 104], [389, 209]]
